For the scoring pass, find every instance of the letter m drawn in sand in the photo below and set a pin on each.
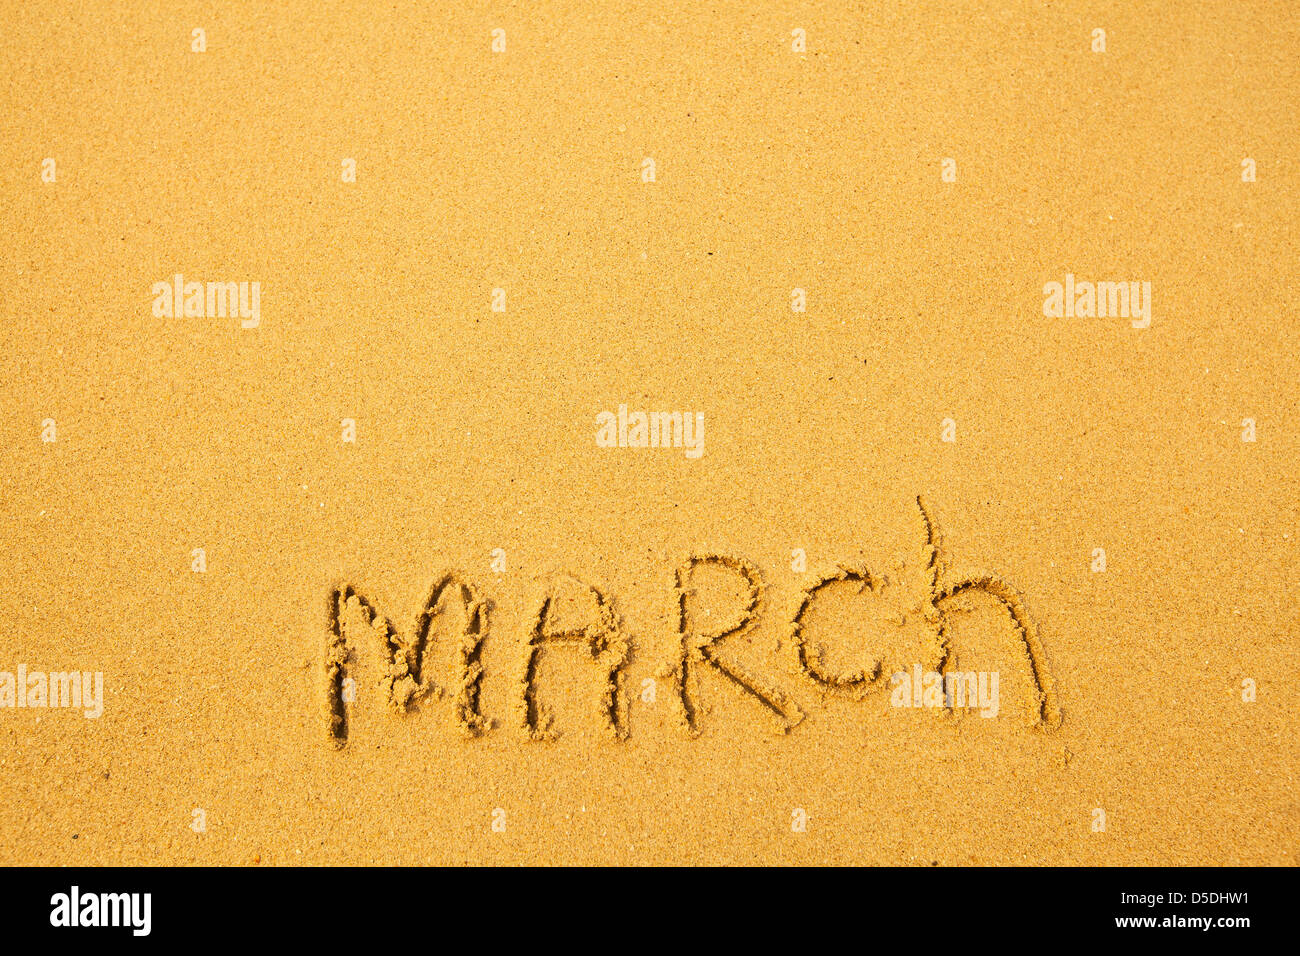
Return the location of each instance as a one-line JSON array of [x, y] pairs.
[[403, 675]]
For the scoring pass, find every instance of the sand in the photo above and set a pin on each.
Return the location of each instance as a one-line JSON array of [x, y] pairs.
[[475, 633]]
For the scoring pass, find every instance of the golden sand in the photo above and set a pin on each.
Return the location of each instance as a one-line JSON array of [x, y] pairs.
[[364, 585]]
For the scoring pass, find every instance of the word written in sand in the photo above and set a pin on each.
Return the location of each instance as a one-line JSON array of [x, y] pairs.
[[915, 603]]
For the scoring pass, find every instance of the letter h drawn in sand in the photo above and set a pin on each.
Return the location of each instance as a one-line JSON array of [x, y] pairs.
[[918, 596]]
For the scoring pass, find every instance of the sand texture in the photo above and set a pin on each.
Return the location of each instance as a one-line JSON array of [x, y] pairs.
[[368, 557]]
